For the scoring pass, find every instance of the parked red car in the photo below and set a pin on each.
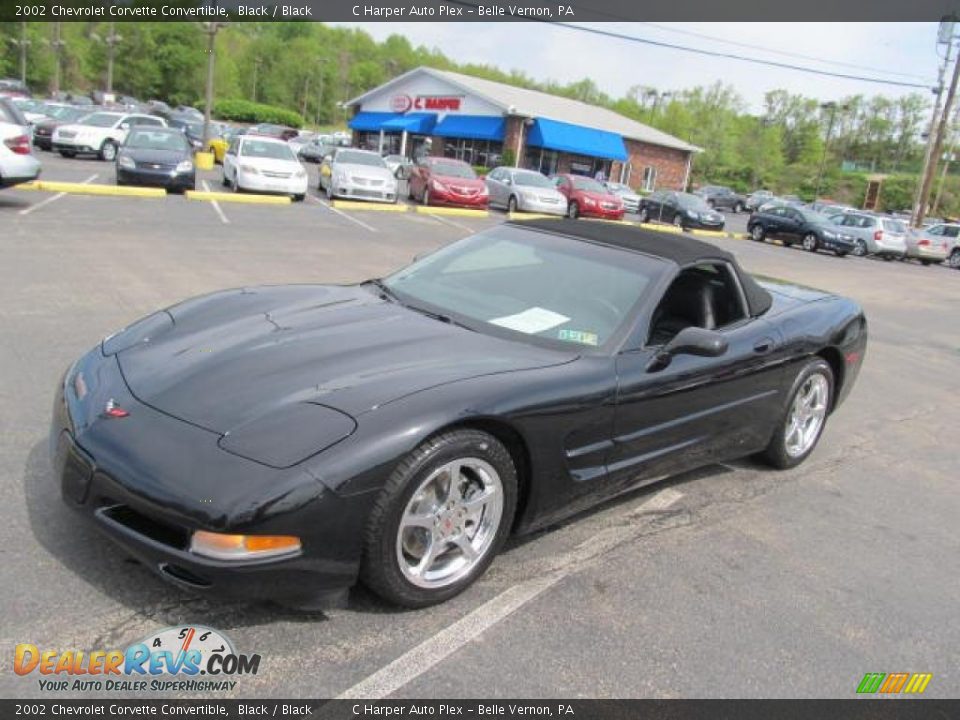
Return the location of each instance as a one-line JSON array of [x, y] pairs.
[[443, 181], [586, 197]]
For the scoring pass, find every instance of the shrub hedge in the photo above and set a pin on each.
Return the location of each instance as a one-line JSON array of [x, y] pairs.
[[246, 111]]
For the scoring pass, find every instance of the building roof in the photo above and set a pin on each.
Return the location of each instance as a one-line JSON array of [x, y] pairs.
[[533, 103]]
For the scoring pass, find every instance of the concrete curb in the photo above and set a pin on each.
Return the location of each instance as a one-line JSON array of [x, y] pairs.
[[462, 212], [375, 206], [91, 189], [249, 198]]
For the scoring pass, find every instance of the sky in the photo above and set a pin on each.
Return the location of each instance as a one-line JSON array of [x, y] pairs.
[[904, 52]]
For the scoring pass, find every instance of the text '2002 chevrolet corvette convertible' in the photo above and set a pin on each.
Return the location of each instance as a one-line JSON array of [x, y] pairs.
[[285, 442]]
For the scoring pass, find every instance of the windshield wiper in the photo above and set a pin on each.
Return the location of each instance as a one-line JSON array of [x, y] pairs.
[[385, 292], [439, 316]]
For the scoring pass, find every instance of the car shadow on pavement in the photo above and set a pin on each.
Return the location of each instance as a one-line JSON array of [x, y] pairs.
[[86, 553], [9, 204]]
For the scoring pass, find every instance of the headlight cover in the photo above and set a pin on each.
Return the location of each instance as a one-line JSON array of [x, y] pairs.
[[185, 166], [126, 162]]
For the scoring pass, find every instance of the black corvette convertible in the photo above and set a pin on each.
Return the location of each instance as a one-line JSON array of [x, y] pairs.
[[285, 442]]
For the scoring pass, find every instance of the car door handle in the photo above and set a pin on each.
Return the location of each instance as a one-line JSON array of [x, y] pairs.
[[763, 346]]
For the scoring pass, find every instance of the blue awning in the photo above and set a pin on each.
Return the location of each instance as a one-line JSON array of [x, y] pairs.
[[371, 121], [417, 123], [565, 137], [471, 127]]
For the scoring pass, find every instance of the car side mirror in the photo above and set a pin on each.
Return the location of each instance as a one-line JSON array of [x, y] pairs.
[[125, 126], [507, 181], [690, 341]]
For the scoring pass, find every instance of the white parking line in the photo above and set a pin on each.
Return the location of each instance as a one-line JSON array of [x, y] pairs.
[[216, 205], [417, 661], [451, 223], [342, 214], [42, 203]]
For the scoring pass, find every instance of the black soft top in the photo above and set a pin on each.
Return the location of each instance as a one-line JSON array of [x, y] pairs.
[[677, 248]]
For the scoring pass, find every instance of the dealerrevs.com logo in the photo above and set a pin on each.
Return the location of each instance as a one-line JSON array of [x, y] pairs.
[[190, 658]]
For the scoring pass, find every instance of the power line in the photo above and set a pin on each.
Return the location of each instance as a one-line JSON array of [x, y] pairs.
[[784, 53], [732, 56]]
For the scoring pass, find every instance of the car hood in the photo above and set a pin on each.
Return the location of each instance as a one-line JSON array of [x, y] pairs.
[[159, 156], [460, 182], [364, 171], [224, 360], [599, 197], [269, 164]]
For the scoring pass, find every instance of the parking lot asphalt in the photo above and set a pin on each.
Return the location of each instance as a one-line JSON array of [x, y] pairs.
[[733, 581]]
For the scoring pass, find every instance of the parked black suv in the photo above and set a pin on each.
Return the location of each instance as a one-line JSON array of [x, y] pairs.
[[799, 224], [718, 196]]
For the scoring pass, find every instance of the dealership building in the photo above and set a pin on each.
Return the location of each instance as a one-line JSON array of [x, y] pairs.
[[428, 111]]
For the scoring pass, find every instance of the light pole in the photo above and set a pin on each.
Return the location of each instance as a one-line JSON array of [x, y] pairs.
[[211, 29], [931, 169], [57, 43], [22, 43], [111, 40], [257, 62], [832, 107], [319, 93]]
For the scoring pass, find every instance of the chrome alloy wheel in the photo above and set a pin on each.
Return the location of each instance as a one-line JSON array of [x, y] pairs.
[[807, 413], [450, 523]]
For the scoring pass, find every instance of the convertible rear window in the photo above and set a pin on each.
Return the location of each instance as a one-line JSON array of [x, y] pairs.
[[532, 284]]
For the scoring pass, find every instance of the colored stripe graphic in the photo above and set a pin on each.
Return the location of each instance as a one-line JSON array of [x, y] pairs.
[[918, 683], [870, 683], [894, 683]]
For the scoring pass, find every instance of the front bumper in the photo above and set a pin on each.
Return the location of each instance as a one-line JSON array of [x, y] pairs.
[[704, 224], [837, 243], [446, 197], [263, 184], [157, 178], [19, 169], [536, 205], [147, 481], [598, 211], [357, 191]]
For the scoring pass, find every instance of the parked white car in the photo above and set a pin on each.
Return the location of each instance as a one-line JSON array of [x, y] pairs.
[[100, 133], [265, 165], [17, 162]]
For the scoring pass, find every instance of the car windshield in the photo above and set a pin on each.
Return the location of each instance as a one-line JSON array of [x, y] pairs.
[[157, 140], [693, 202], [588, 184], [453, 169], [101, 120], [269, 150], [195, 129], [532, 180], [351, 157], [530, 284], [65, 113]]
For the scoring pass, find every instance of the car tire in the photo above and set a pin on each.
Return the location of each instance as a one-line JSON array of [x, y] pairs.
[[738, 208], [678, 221], [573, 210], [924, 262], [842, 253], [426, 196], [954, 259], [860, 248], [390, 545], [299, 197], [108, 151], [888, 258], [512, 204], [644, 215], [68, 153], [785, 450], [223, 180], [757, 233], [810, 242]]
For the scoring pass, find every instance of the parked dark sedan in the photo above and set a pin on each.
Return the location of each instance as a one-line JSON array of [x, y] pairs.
[[791, 224], [156, 156], [684, 210], [284, 442], [718, 196]]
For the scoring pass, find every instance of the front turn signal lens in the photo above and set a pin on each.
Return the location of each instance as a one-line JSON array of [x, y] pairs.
[[223, 546]]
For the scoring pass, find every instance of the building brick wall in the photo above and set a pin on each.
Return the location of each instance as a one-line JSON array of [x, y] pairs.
[[671, 165]]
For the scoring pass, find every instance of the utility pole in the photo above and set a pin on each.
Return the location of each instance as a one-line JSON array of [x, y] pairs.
[[319, 95], [947, 159], [832, 107], [111, 40], [57, 44], [945, 37], [211, 29], [22, 43], [306, 94], [257, 61], [937, 147]]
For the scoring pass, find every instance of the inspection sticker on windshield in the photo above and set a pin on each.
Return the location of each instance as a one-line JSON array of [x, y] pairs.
[[577, 336], [532, 321]]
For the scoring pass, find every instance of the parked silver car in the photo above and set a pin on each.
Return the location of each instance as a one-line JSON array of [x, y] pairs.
[[524, 190], [873, 234], [934, 244], [17, 162], [631, 201], [399, 165], [358, 175]]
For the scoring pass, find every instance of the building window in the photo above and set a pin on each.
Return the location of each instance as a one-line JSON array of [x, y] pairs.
[[649, 179], [485, 153], [543, 161]]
